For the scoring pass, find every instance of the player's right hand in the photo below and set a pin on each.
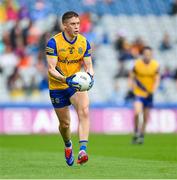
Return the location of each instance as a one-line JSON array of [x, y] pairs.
[[71, 83], [150, 96]]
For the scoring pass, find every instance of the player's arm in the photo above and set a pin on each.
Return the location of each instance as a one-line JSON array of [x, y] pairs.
[[156, 81], [52, 58], [88, 65], [131, 79], [52, 62]]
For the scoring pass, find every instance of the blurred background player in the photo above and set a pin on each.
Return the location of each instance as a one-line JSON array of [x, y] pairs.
[[66, 52], [144, 80]]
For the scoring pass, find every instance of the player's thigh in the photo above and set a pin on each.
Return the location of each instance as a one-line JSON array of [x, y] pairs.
[[80, 100], [138, 107], [63, 115]]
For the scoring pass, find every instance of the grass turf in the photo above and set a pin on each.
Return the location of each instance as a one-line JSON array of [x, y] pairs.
[[110, 156]]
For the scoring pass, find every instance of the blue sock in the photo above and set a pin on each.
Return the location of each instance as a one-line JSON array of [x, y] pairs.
[[68, 143], [83, 145]]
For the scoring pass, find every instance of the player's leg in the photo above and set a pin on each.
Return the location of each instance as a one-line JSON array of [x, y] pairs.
[[138, 112], [80, 101], [60, 102], [64, 128], [148, 103], [143, 127], [146, 116], [64, 123]]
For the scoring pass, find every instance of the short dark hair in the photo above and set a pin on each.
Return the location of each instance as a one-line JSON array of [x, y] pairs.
[[69, 14], [147, 48]]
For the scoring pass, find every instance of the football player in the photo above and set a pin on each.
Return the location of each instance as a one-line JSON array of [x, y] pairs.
[[66, 53], [144, 80]]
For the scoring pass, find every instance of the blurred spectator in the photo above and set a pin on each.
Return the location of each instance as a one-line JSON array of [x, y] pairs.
[[173, 10], [15, 35], [15, 84], [24, 61], [89, 2], [125, 54], [23, 12], [166, 43], [175, 77], [41, 10], [31, 88], [3, 14], [42, 44], [41, 65], [1, 70], [119, 43], [25, 32], [86, 23], [43, 84], [8, 61], [122, 71], [2, 46], [166, 73], [137, 47], [41, 68], [57, 26], [20, 48], [33, 34], [127, 51], [12, 10]]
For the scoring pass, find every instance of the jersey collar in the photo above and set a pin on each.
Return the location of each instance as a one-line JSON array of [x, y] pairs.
[[70, 42]]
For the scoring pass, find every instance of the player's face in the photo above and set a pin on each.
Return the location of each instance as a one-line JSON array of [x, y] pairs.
[[72, 26], [147, 55]]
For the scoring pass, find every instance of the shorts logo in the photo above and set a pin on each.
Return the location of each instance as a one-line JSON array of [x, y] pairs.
[[80, 50], [55, 100]]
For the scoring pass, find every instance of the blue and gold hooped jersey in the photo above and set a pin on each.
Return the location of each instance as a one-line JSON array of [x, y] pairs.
[[69, 56], [145, 75]]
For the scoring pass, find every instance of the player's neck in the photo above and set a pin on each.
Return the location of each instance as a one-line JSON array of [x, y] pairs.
[[69, 37], [146, 61]]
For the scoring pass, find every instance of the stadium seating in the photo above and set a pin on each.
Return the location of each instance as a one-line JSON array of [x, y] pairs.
[[130, 18]]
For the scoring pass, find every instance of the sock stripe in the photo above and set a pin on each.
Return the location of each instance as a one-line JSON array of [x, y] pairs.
[[83, 141]]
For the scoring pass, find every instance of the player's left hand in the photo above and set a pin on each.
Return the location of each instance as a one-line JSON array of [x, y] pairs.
[[92, 80], [71, 83]]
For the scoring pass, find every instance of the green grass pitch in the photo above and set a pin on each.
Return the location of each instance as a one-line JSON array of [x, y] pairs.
[[110, 156]]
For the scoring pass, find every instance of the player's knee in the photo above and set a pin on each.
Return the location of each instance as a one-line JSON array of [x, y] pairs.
[[83, 112], [64, 125]]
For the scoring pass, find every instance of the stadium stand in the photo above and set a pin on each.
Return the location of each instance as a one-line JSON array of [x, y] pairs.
[[23, 34]]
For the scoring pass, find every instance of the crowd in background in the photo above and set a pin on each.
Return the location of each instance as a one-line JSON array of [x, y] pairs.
[[22, 47]]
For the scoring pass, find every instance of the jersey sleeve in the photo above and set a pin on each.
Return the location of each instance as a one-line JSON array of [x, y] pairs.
[[51, 48], [88, 50]]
